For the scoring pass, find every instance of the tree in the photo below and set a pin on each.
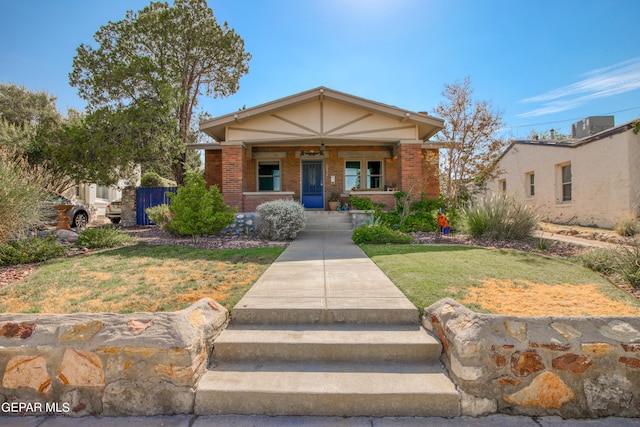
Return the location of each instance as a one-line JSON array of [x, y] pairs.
[[153, 65], [469, 137], [28, 122]]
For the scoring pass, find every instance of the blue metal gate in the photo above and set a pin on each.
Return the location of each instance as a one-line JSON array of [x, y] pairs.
[[147, 197]]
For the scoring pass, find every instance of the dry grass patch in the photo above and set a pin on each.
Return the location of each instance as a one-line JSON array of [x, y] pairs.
[[526, 298], [500, 281], [138, 278]]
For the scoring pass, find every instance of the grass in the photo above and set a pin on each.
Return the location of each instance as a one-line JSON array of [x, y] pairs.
[[499, 281], [138, 278]]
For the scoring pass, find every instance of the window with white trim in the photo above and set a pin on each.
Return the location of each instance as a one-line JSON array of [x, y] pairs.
[[530, 180], [352, 175], [269, 175]]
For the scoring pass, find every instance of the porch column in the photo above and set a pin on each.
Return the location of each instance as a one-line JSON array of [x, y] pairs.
[[233, 163], [410, 167], [431, 172]]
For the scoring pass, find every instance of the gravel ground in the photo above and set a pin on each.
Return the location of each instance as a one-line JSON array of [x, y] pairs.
[[155, 236]]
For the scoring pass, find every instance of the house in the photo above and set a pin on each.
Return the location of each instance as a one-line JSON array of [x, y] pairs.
[[309, 145], [591, 179]]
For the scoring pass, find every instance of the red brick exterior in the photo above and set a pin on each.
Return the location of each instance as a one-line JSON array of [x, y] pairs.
[[234, 171], [252, 201], [213, 167]]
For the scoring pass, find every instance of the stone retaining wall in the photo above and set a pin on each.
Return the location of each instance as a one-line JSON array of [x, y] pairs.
[[574, 367], [106, 364]]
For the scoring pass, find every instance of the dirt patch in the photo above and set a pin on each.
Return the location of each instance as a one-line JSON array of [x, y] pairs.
[[524, 298]]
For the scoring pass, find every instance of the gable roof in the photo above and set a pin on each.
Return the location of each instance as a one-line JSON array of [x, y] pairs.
[[427, 125]]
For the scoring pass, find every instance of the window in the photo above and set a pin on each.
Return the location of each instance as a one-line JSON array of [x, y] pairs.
[[502, 185], [371, 178], [269, 176], [102, 192], [374, 174], [566, 183], [352, 175], [530, 179]]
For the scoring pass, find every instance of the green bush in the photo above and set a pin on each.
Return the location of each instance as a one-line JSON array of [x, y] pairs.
[[280, 219], [627, 225], [499, 217], [361, 203], [102, 237], [152, 179], [27, 250], [196, 211], [159, 215], [378, 235]]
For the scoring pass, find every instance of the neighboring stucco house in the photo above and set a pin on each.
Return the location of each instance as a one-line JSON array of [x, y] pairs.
[[309, 145], [588, 180]]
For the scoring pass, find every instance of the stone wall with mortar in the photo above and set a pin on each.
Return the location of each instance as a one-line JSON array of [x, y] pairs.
[[574, 367], [107, 364]]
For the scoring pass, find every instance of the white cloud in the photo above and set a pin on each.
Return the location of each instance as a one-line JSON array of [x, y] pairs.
[[600, 83]]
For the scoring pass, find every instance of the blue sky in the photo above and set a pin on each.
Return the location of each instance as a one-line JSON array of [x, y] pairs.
[[544, 64]]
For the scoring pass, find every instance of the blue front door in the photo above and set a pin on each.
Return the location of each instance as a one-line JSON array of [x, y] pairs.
[[312, 184]]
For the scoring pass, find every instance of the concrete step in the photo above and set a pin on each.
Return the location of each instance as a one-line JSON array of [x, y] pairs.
[[320, 389], [328, 343], [328, 226], [311, 311]]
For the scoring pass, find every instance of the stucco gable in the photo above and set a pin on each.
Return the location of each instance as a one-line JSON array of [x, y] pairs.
[[322, 113]]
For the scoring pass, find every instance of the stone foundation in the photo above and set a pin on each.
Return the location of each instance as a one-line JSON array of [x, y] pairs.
[[106, 364], [574, 367]]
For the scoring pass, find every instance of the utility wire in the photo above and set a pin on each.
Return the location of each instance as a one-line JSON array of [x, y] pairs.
[[571, 120]]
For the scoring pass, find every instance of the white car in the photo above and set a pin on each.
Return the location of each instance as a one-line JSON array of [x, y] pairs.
[[114, 211]]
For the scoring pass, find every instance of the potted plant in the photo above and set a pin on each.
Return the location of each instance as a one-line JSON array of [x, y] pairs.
[[334, 200]]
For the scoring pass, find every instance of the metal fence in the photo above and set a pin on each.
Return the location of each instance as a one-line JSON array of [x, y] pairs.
[[147, 197]]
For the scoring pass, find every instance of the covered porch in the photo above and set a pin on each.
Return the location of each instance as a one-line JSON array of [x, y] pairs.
[[319, 144]]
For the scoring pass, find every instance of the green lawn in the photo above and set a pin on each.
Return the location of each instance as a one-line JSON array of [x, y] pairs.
[[498, 279], [138, 278]]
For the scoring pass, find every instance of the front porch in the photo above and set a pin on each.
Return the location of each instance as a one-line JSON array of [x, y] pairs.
[[318, 144]]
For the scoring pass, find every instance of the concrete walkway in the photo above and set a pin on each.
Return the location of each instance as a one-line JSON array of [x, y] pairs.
[[339, 284]]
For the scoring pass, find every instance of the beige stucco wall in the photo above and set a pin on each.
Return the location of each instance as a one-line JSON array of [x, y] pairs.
[[605, 179], [326, 119]]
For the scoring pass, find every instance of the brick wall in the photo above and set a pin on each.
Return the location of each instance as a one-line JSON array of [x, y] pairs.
[[233, 163], [213, 167], [252, 201], [431, 172], [413, 169]]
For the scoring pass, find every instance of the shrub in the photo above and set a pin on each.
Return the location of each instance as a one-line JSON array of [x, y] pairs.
[[152, 179], [361, 203], [27, 250], [622, 262], [102, 237], [21, 195], [379, 235], [627, 225], [499, 217], [159, 215], [196, 211], [280, 219]]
